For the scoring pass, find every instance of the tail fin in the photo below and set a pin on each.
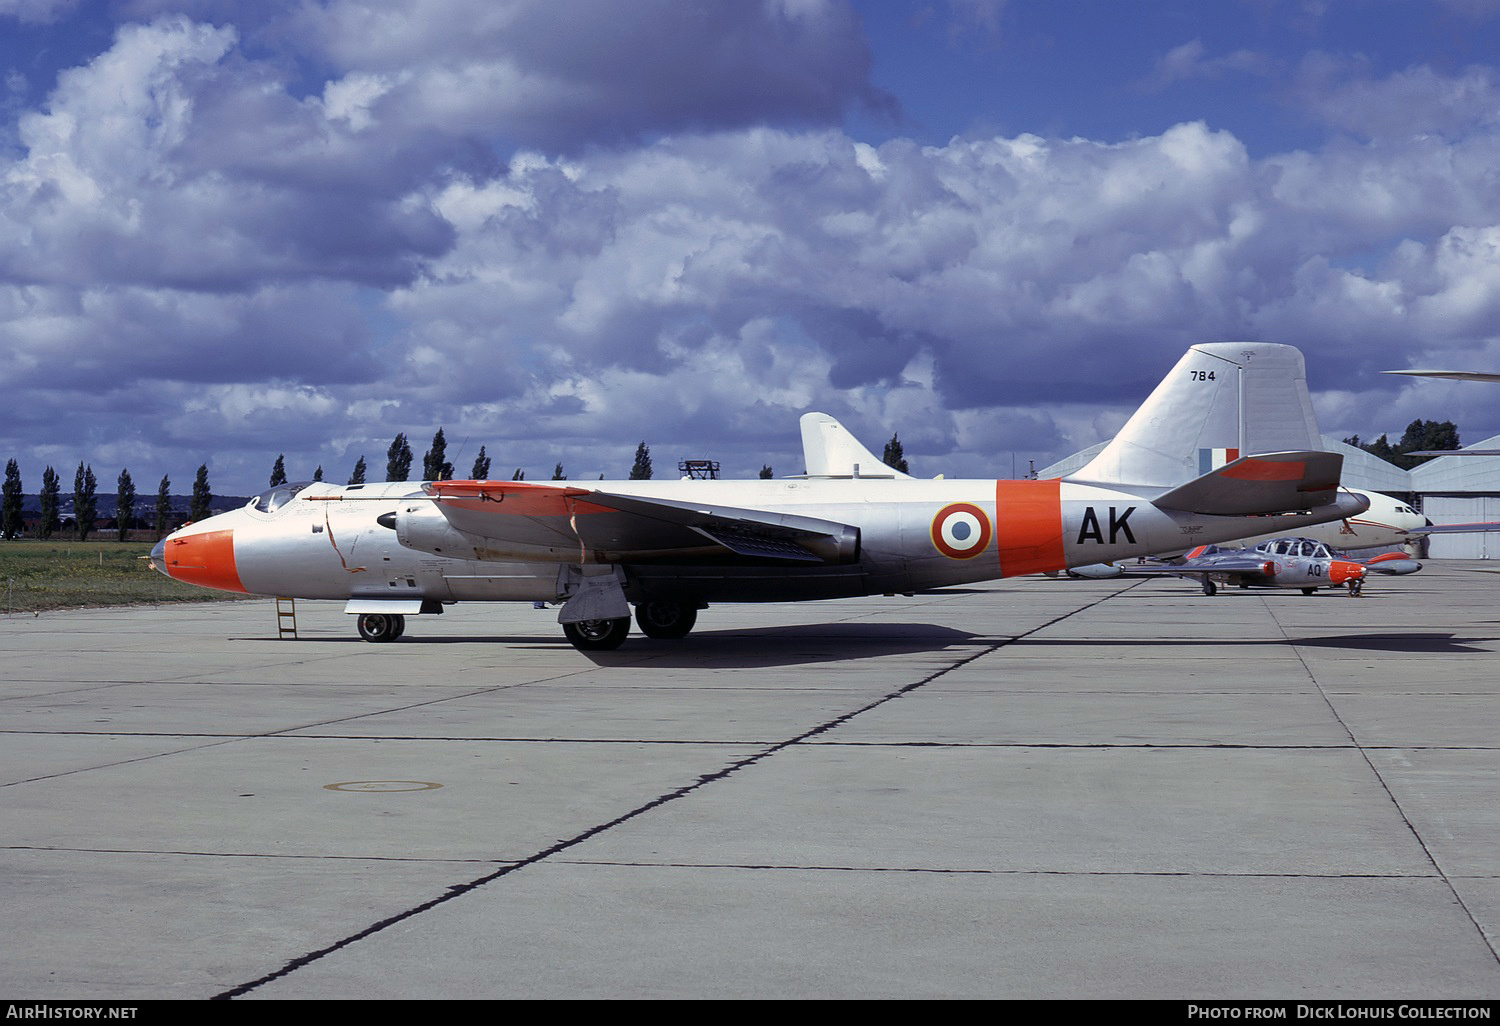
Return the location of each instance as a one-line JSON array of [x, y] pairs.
[[1222, 401], [831, 451]]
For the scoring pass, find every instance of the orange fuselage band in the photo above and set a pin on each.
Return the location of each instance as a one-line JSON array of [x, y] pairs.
[[1028, 527]]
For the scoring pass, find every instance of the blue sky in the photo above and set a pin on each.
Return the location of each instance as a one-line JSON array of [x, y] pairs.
[[1111, 70], [230, 230]]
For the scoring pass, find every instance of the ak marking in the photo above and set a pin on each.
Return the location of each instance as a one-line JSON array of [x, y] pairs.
[[1119, 524]]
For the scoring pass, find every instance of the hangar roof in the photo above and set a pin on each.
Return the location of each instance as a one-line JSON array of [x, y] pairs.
[[1460, 473]]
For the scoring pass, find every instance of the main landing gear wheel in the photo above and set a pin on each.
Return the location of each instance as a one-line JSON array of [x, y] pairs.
[[597, 635], [1209, 587], [665, 619], [1308, 591], [1355, 587], [381, 626]]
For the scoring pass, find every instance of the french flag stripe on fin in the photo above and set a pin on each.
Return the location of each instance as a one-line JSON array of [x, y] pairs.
[[1212, 459]]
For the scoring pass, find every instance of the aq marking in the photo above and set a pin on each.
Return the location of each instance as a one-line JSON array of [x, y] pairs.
[[961, 530]]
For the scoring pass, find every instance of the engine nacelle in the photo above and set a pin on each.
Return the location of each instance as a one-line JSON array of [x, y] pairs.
[[420, 526], [423, 527]]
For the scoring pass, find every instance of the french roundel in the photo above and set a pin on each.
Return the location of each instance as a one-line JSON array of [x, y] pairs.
[[961, 530]]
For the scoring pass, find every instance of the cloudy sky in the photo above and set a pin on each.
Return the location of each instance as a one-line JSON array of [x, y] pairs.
[[236, 228]]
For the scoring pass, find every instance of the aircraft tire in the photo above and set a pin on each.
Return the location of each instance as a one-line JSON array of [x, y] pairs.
[[666, 620], [597, 635], [1308, 591], [1209, 587], [378, 627]]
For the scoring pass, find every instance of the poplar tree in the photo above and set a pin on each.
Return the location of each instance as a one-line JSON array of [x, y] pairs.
[[894, 456], [435, 465], [641, 469], [765, 472], [481, 466], [398, 459], [202, 501], [520, 475], [85, 500], [558, 475], [278, 471], [51, 493], [124, 503], [358, 477], [163, 506], [10, 508]]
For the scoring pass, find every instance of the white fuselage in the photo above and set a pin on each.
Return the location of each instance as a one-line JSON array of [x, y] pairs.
[[329, 542]]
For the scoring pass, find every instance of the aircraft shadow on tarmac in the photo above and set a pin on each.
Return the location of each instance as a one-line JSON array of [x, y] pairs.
[[1407, 642], [794, 645]]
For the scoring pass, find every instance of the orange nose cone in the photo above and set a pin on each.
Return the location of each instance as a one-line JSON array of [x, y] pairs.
[[1343, 571], [205, 559]]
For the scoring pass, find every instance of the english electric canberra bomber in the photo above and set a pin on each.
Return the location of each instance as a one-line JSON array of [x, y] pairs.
[[1218, 451]]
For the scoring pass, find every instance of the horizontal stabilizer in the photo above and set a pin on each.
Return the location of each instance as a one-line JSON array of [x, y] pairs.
[[1277, 482]]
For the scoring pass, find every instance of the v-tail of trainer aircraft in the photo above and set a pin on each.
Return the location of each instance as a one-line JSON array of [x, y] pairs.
[[1203, 460]]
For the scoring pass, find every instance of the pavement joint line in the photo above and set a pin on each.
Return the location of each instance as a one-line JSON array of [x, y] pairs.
[[458, 890], [927, 870], [251, 855], [285, 732], [1364, 752], [751, 866], [750, 742]]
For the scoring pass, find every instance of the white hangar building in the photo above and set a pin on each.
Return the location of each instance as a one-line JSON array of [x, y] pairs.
[[1461, 490]]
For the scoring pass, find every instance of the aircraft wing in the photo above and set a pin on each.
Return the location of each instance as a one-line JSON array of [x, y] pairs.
[[523, 516], [1489, 525], [1277, 482], [1243, 563], [1451, 375]]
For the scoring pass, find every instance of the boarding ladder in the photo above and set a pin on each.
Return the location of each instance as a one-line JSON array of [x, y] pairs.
[[286, 617]]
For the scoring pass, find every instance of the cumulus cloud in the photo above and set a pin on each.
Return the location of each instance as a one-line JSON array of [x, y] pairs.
[[1191, 61], [233, 236], [36, 11], [589, 72], [1418, 101]]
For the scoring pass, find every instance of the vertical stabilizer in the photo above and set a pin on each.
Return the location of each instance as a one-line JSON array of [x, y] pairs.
[[831, 451], [1222, 401]]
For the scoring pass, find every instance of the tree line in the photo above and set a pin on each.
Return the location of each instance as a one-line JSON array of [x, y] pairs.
[[399, 458], [86, 503], [1420, 436]]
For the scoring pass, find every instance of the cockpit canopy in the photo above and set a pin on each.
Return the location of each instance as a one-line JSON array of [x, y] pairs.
[[272, 499], [1294, 547]]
